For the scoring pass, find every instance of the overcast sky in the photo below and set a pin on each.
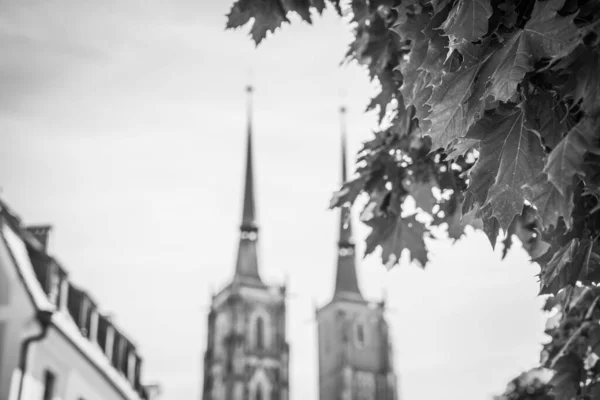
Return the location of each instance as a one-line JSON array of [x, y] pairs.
[[122, 124]]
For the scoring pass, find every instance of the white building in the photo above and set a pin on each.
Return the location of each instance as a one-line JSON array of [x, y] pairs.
[[54, 343]]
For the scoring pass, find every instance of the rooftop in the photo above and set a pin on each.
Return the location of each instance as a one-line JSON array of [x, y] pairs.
[[76, 314]]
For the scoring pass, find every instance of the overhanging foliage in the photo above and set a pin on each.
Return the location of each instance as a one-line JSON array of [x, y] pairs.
[[495, 104]]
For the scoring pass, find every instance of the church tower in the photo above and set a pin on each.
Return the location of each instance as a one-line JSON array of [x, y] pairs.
[[247, 354], [355, 353]]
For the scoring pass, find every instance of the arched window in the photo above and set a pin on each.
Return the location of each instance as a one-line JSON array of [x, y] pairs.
[[219, 332], [260, 334], [360, 335]]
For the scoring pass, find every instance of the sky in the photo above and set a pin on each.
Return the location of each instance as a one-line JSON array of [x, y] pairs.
[[122, 124]]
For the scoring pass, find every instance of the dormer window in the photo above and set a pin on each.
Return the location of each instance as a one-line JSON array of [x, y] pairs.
[[54, 286]]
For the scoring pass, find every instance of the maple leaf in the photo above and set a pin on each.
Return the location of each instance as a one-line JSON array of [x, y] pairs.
[[472, 218], [394, 234], [588, 261], [510, 156], [301, 7], [460, 146], [458, 222], [319, 5], [526, 228], [422, 94], [513, 62], [566, 159], [413, 80], [455, 226], [377, 206], [468, 20], [549, 202], [490, 225], [385, 96], [565, 382], [587, 82], [548, 116], [410, 28], [421, 192], [557, 273], [268, 15], [336, 6], [548, 34], [437, 43], [450, 117], [348, 193], [545, 35]]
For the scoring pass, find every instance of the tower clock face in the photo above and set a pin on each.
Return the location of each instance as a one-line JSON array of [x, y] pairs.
[[346, 251], [249, 235]]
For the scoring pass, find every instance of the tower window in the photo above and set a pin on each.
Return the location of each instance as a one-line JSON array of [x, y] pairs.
[[260, 329], [360, 335], [326, 338]]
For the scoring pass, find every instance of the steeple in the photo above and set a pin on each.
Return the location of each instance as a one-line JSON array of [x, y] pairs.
[[247, 261], [346, 280]]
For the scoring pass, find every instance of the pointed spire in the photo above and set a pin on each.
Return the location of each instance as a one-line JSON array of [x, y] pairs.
[[345, 237], [249, 211], [247, 261], [346, 280]]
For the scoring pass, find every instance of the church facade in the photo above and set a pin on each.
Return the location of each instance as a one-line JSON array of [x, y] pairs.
[[247, 353]]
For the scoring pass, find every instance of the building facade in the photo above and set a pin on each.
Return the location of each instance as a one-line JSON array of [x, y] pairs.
[[247, 355], [54, 342], [355, 352]]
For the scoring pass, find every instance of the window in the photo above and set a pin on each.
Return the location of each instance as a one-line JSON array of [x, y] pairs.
[[238, 391], [49, 380], [74, 304], [102, 334], [260, 332], [54, 285], [360, 335], [218, 389], [325, 334], [258, 395], [220, 332]]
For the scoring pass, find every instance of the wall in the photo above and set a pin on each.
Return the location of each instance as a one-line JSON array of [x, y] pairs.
[[16, 320], [76, 377], [335, 322]]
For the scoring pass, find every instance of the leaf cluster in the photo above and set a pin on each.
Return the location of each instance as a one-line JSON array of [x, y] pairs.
[[574, 349], [530, 385], [495, 123]]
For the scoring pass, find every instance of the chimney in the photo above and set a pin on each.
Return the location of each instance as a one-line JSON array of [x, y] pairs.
[[41, 233], [153, 391]]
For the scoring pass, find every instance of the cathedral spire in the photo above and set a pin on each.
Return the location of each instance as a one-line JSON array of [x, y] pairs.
[[249, 211], [346, 280], [247, 260]]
